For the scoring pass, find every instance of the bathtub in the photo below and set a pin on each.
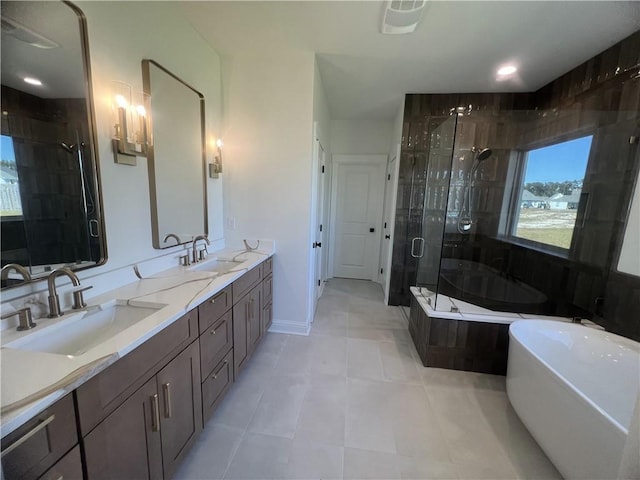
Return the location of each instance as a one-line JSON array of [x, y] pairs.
[[575, 389], [482, 285]]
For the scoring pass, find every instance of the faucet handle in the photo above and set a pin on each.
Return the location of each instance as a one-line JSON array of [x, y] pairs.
[[24, 318], [184, 260], [78, 299], [202, 254]]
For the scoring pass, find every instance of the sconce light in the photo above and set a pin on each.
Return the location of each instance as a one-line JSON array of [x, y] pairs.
[[215, 168], [131, 124]]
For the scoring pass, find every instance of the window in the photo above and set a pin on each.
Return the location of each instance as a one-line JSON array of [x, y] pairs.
[[550, 188], [10, 205]]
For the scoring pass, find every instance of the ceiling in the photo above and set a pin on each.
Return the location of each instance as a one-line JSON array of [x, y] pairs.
[[457, 47]]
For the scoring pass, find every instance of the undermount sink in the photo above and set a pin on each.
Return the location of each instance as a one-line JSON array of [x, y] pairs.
[[87, 329], [218, 266]]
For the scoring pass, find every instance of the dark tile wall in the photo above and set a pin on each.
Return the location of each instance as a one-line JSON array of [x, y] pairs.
[[590, 98]]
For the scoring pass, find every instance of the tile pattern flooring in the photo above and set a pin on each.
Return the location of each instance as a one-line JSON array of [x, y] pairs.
[[353, 401]]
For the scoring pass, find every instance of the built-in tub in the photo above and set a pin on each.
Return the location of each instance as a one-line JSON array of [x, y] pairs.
[[575, 389], [481, 284]]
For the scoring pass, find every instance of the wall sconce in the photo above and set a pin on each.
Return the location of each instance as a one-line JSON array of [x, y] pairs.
[[215, 168], [131, 124]]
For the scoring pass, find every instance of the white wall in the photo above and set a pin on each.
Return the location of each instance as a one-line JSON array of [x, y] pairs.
[[121, 35], [268, 102], [355, 137]]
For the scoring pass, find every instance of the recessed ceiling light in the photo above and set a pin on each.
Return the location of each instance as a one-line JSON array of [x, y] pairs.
[[32, 81], [507, 70]]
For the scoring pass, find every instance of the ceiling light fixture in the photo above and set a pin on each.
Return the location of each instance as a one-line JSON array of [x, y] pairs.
[[507, 70], [401, 16], [32, 81]]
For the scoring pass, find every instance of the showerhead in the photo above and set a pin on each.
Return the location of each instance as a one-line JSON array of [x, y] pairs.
[[483, 154]]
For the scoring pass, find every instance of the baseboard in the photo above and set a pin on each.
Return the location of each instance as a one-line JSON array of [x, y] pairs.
[[292, 328]]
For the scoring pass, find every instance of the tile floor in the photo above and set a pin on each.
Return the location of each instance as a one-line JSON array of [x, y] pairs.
[[353, 401]]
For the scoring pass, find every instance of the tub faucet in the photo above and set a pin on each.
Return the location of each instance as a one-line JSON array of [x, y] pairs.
[[54, 299], [194, 255]]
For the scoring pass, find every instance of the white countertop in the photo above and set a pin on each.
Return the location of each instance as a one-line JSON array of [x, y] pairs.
[[32, 381]]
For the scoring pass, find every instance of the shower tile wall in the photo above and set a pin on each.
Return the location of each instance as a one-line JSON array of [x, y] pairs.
[[50, 180], [591, 98]]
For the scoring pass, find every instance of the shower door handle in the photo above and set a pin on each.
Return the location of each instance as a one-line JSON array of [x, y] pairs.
[[413, 247]]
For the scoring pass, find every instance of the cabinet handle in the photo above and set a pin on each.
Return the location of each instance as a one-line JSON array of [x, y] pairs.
[[213, 300], [246, 311], [155, 413], [167, 400], [212, 332], [61, 477], [27, 435], [215, 375]]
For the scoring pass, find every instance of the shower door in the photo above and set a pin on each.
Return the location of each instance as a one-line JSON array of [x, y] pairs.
[[428, 246]]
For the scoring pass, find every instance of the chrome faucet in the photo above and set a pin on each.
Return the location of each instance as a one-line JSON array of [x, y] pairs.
[[194, 255], [54, 300], [4, 273]]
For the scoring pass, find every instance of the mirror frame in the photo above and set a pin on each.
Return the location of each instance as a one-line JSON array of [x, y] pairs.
[[91, 127], [146, 87]]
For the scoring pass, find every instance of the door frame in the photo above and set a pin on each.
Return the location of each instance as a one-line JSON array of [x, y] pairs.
[[344, 159], [318, 187], [392, 198]]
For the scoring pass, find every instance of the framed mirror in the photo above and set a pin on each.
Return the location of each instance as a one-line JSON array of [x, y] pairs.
[[177, 159], [50, 202]]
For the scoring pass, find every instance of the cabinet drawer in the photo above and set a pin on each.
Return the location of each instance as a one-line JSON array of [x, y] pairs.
[[101, 395], [246, 282], [68, 467], [34, 447], [267, 267], [215, 342], [213, 308], [216, 385], [267, 289]]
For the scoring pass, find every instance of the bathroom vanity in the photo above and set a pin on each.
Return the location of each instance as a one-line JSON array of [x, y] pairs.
[[138, 417]]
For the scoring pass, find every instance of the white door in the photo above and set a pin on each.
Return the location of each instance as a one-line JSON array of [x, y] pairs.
[[358, 190]]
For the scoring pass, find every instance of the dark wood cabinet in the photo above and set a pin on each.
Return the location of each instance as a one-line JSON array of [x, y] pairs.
[[127, 443], [178, 385], [139, 417], [34, 447], [101, 395], [246, 327], [147, 436]]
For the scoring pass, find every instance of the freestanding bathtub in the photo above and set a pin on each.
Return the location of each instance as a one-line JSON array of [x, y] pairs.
[[575, 389]]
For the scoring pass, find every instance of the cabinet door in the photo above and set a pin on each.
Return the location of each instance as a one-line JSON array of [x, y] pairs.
[[127, 443], [241, 348], [180, 406], [255, 313], [267, 317]]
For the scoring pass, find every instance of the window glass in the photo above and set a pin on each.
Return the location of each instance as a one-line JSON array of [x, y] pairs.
[[550, 191], [10, 205]]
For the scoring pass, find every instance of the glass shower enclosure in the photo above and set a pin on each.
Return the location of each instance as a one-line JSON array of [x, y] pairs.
[[524, 211]]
